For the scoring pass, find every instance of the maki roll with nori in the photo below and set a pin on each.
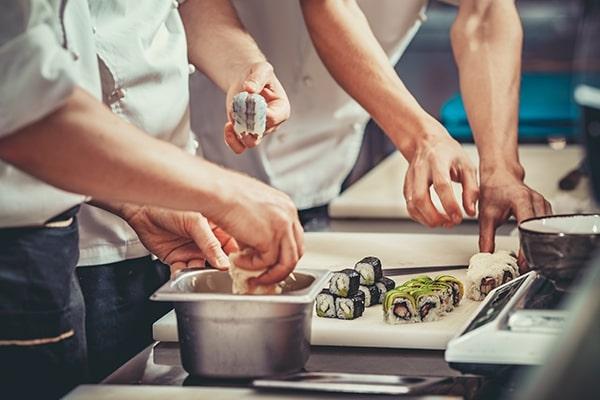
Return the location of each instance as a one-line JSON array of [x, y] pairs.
[[400, 307], [344, 283], [369, 269], [350, 307], [384, 285], [458, 289], [371, 295], [325, 304]]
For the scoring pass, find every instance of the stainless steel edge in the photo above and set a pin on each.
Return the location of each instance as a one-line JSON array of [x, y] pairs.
[[169, 291]]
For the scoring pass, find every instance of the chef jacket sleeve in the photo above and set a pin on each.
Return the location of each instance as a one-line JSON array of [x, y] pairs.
[[36, 73]]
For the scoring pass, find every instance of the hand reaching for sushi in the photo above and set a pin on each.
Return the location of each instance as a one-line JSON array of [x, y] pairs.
[[503, 194], [180, 239], [259, 79], [439, 160]]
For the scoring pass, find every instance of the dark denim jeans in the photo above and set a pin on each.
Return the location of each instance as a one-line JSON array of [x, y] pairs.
[[42, 335], [119, 314]]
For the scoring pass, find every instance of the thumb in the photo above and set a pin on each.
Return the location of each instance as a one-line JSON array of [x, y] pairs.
[[258, 77], [208, 243]]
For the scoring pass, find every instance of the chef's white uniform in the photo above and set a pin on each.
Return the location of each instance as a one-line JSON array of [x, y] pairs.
[[311, 154], [151, 92]]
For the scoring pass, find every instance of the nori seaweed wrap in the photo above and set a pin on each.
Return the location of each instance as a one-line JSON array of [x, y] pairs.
[[369, 269], [325, 304], [384, 285], [344, 283], [350, 307], [371, 294]]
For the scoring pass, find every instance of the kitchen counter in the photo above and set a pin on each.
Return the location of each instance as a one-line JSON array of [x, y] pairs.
[[156, 372]]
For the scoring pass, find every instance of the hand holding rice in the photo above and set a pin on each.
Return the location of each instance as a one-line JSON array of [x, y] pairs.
[[240, 279]]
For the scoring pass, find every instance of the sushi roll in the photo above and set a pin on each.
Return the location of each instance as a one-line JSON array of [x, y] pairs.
[[428, 304], [325, 304], [344, 283], [384, 285], [488, 271], [350, 307], [419, 281], [371, 295], [249, 114], [458, 289], [369, 269], [444, 292], [400, 307]]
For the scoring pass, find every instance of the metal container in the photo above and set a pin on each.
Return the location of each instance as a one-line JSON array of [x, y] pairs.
[[223, 335]]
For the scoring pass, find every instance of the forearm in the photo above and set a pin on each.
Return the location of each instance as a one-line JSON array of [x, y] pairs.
[[218, 43], [84, 148], [487, 41], [348, 48]]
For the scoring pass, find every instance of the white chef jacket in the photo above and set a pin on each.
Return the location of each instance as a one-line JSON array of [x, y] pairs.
[[142, 76], [312, 153], [144, 72], [42, 58]]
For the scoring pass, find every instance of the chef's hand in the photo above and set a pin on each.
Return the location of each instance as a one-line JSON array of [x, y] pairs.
[[180, 239], [439, 160], [260, 79], [503, 194], [265, 223]]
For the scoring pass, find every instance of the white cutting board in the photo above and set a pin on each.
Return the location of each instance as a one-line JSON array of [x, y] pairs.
[[337, 250], [379, 193]]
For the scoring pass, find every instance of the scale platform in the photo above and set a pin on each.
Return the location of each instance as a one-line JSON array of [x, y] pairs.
[[516, 325]]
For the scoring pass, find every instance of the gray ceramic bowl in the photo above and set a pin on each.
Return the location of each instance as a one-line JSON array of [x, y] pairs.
[[559, 246]]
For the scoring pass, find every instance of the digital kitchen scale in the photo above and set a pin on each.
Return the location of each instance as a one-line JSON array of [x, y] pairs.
[[515, 325]]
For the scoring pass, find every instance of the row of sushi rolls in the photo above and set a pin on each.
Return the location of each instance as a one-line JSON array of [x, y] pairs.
[[420, 299]]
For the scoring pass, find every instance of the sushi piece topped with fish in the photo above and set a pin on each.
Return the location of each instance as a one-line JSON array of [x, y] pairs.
[[369, 269], [488, 271], [344, 283]]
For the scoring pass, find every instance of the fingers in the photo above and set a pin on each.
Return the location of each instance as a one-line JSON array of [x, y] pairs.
[[539, 204], [523, 209], [470, 189], [202, 234], [487, 232], [299, 236], [443, 188], [177, 266], [259, 75], [287, 262], [232, 140], [256, 259], [418, 199]]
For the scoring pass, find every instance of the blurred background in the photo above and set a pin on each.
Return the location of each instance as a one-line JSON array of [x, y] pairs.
[[551, 69]]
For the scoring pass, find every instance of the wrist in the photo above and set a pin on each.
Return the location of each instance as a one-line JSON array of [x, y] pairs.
[[420, 132], [497, 165]]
